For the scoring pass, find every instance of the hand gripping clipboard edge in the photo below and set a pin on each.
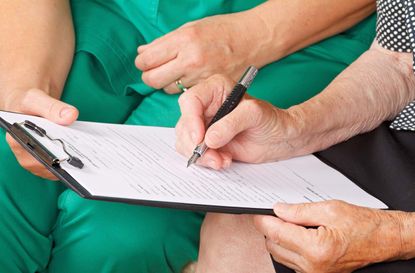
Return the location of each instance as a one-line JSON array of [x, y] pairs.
[[38, 151]]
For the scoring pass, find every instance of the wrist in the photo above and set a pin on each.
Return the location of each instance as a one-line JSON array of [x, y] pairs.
[[266, 44], [406, 225], [394, 238], [315, 132]]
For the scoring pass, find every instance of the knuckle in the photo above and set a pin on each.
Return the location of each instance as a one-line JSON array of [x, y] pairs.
[[320, 256], [145, 60], [275, 237], [334, 207], [190, 33], [151, 80], [196, 60]]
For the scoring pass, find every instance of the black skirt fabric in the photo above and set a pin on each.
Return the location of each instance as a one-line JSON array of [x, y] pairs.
[[382, 163]]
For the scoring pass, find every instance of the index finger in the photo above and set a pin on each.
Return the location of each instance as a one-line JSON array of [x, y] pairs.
[[287, 235], [156, 55], [205, 98]]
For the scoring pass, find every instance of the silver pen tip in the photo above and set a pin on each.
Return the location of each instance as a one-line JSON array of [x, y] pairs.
[[193, 159]]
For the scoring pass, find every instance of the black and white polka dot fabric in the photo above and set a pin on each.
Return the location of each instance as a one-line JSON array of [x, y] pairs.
[[396, 31]]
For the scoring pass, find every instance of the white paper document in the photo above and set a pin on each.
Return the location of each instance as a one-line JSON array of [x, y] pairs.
[[140, 163]]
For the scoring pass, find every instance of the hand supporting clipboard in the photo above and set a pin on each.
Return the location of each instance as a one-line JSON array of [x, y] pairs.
[[17, 130], [42, 154]]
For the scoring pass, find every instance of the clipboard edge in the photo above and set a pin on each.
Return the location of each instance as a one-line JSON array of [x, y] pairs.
[[185, 206]]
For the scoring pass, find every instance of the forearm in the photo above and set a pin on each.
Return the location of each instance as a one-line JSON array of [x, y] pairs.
[[373, 89], [37, 47], [290, 25]]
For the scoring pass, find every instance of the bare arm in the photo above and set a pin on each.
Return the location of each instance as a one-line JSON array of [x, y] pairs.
[[373, 89], [290, 25], [36, 52], [226, 44], [36, 49]]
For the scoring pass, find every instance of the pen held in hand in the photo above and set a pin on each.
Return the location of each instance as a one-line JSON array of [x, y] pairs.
[[228, 106]]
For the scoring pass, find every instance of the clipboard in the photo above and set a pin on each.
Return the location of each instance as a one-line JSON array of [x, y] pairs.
[[156, 169], [46, 158]]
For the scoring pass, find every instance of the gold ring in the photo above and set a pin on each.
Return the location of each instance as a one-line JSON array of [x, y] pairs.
[[180, 85]]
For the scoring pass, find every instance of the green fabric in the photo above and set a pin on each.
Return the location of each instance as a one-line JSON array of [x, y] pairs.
[[47, 228]]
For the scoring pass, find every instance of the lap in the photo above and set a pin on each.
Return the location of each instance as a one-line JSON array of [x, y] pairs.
[[380, 162], [27, 215], [96, 236], [129, 238]]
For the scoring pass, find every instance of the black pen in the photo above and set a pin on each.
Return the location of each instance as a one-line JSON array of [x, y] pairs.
[[230, 103]]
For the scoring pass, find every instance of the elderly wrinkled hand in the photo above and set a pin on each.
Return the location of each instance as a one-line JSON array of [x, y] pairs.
[[342, 239], [255, 131], [196, 51]]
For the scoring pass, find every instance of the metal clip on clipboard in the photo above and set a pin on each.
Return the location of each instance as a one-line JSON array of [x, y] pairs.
[[20, 133]]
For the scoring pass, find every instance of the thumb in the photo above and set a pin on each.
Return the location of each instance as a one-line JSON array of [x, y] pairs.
[[307, 214], [226, 129], [36, 102]]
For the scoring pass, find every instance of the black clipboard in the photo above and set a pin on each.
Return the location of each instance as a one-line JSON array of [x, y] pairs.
[[45, 157]]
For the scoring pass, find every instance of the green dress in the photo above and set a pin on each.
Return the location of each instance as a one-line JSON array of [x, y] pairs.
[[45, 227]]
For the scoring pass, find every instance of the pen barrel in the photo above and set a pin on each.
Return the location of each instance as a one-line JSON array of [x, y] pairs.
[[230, 103]]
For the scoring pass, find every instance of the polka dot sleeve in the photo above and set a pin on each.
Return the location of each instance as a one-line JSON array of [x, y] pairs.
[[396, 31]]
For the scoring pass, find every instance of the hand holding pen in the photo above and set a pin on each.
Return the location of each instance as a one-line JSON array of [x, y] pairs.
[[228, 106], [254, 132], [192, 104]]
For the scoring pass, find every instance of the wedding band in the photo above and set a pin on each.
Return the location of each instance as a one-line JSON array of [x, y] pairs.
[[180, 85]]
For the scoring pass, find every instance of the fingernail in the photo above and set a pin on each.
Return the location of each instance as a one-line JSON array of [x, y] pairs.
[[66, 112]]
